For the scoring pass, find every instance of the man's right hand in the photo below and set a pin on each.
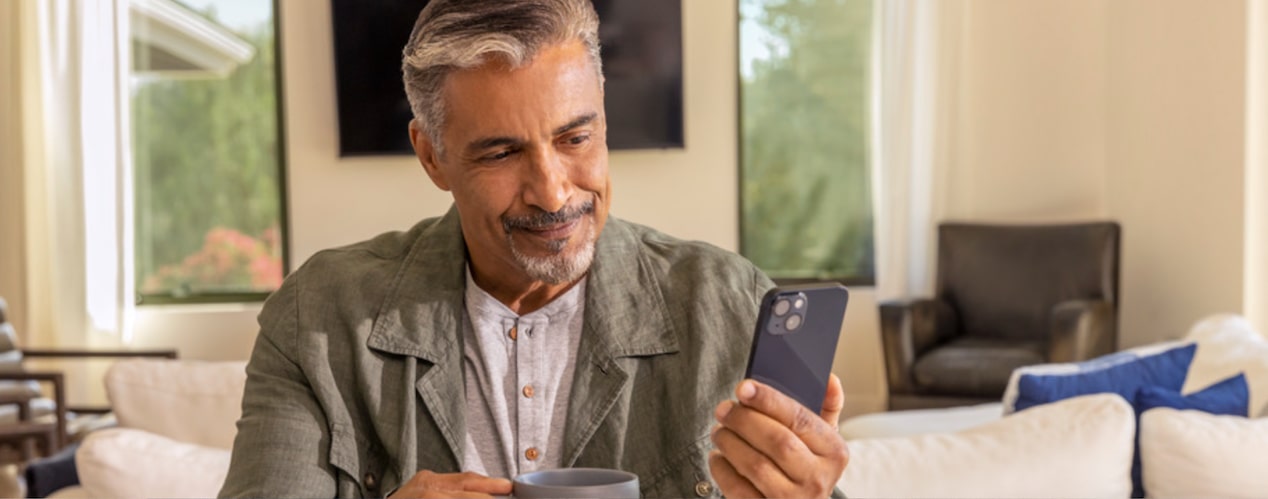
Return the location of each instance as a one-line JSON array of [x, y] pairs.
[[426, 484]]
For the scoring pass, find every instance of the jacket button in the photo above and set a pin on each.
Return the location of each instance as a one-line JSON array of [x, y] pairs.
[[532, 453], [370, 481], [704, 489]]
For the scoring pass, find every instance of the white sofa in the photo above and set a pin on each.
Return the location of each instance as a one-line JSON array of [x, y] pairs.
[[177, 421], [1080, 447]]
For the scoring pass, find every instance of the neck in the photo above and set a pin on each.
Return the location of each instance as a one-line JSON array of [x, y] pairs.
[[517, 291]]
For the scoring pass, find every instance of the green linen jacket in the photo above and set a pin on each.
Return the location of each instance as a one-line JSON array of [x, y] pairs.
[[356, 379]]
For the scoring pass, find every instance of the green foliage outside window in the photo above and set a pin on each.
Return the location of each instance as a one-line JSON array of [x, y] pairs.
[[806, 205], [208, 199]]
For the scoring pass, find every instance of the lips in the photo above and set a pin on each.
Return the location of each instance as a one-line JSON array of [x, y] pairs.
[[554, 231]]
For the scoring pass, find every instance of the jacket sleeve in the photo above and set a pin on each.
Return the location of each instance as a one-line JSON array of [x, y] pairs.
[[283, 442]]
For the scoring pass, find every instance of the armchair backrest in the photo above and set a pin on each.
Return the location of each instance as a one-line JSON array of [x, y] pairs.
[[1003, 280]]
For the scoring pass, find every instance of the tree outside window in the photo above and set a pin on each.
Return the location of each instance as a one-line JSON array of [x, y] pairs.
[[806, 205]]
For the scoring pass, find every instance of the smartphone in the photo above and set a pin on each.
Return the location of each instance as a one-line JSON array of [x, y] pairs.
[[796, 338]]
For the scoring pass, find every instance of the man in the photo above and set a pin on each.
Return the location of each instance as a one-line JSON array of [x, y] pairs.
[[525, 329]]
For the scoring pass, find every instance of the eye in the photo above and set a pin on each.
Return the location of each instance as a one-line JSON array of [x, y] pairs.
[[497, 156], [578, 139]]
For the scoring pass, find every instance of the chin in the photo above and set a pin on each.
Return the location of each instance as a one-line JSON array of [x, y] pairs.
[[567, 264]]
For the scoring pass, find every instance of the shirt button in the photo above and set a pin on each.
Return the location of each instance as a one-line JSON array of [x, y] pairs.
[[703, 489], [532, 453], [528, 391], [370, 481], [513, 333]]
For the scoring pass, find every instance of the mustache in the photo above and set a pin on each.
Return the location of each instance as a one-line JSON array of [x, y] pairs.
[[543, 218]]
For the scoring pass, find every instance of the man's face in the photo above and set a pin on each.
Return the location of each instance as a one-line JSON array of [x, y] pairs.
[[525, 156]]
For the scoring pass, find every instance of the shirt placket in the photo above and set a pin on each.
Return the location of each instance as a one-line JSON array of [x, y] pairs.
[[531, 441]]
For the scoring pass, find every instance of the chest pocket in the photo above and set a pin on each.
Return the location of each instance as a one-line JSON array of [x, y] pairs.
[[684, 475], [362, 466]]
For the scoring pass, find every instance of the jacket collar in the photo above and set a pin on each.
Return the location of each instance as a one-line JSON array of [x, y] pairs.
[[626, 313], [421, 316]]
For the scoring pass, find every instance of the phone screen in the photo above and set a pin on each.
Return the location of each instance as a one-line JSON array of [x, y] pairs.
[[795, 340]]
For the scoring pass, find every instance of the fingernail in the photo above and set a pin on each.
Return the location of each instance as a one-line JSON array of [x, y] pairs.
[[747, 390]]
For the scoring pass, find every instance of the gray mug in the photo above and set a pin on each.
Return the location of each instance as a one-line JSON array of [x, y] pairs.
[[568, 483]]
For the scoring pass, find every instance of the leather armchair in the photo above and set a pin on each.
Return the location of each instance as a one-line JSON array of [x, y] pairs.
[[1006, 297]]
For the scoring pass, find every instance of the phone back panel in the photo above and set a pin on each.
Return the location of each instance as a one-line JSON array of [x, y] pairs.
[[797, 358]]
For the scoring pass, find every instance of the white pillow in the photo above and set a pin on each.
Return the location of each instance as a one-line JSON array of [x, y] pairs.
[[1228, 345], [189, 401], [122, 462], [1078, 447], [1196, 454]]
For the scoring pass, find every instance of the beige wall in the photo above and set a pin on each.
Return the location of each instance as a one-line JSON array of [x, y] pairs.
[[1029, 141], [1130, 110], [1177, 111]]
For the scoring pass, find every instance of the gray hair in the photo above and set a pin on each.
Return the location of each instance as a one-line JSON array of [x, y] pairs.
[[460, 34]]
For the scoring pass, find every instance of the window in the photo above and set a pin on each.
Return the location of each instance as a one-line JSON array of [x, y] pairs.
[[805, 184], [206, 150]]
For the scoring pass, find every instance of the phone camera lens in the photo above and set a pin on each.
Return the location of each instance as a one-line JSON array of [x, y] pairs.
[[792, 322], [781, 307]]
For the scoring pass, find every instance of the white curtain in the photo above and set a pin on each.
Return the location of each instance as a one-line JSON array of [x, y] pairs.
[[77, 197], [1256, 251], [910, 82]]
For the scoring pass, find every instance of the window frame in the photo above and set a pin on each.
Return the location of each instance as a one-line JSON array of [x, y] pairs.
[[284, 229]]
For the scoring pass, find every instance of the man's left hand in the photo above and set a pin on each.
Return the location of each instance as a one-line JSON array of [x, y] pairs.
[[769, 445]]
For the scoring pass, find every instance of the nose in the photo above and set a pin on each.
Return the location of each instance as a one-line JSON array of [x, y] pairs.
[[546, 182]]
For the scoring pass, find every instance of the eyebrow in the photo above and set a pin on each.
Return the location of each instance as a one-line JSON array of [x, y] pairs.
[[577, 123], [492, 142]]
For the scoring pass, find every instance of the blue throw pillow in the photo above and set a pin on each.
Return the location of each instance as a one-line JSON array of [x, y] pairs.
[[1230, 397], [1122, 373]]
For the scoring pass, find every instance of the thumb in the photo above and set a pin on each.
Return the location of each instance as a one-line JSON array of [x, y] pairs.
[[833, 401]]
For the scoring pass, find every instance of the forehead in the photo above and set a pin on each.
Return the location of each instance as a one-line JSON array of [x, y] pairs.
[[559, 84]]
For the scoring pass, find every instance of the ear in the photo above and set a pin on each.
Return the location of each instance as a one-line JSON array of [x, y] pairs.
[[426, 152]]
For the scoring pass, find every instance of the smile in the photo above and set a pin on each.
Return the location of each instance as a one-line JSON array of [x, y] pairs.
[[555, 231]]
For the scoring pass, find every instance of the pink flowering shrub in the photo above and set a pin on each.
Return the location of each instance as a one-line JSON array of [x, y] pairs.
[[228, 261]]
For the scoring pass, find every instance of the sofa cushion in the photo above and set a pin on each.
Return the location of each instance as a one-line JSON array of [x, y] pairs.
[[123, 462], [1195, 454], [1229, 397], [1123, 373], [1078, 447], [1226, 397], [976, 367], [189, 401]]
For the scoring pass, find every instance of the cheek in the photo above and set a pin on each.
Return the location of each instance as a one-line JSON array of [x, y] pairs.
[[592, 173], [487, 195]]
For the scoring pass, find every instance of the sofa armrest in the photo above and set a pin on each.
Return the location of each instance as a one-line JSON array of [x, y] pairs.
[[1080, 330], [909, 328]]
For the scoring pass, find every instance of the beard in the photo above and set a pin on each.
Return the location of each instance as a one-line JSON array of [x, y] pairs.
[[560, 266]]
